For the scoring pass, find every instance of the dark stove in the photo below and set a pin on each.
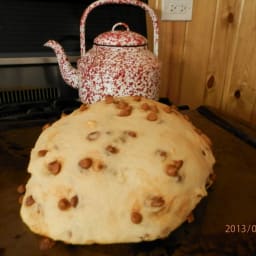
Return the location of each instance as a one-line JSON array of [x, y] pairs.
[[37, 110], [27, 113]]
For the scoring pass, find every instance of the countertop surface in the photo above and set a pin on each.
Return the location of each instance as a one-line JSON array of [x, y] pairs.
[[225, 221]]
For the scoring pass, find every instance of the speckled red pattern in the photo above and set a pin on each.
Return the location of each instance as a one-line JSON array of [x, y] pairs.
[[117, 73], [119, 63], [130, 2], [120, 38]]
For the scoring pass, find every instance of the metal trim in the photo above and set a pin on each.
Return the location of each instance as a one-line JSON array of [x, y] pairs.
[[33, 60]]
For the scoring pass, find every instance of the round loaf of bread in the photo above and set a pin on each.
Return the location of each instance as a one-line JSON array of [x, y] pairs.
[[121, 170]]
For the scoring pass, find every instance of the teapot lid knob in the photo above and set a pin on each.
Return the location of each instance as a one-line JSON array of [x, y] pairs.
[[120, 24], [120, 37]]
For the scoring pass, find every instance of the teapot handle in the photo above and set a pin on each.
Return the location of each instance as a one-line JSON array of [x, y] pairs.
[[130, 2]]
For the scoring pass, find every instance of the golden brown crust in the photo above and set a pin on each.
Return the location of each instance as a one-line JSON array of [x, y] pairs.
[[121, 170]]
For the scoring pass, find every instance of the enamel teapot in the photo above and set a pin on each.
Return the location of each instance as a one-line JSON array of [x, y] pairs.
[[118, 64]]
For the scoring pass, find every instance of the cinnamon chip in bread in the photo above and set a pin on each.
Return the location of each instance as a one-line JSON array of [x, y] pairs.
[[124, 170]]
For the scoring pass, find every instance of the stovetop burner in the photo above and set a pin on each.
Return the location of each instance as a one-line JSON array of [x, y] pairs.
[[37, 110], [26, 114]]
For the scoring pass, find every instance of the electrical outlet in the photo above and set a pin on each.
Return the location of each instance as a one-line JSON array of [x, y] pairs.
[[177, 9]]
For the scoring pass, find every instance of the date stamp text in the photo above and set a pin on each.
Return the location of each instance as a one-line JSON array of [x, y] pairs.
[[240, 228]]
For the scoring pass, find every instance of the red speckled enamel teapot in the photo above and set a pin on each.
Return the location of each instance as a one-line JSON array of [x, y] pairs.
[[118, 64]]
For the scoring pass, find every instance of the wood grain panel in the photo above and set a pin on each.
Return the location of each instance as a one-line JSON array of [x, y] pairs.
[[211, 60], [171, 47], [176, 65], [226, 26], [198, 39], [239, 96]]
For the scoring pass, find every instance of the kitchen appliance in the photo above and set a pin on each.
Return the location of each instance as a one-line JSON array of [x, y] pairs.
[[119, 62]]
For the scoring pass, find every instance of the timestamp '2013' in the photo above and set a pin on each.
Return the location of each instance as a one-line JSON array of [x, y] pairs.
[[240, 228]]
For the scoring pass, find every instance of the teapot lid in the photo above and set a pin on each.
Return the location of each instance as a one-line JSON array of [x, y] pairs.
[[120, 37]]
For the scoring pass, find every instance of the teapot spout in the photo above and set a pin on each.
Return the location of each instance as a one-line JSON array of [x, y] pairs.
[[69, 74]]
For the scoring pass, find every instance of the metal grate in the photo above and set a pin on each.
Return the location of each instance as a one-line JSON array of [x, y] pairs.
[[29, 95]]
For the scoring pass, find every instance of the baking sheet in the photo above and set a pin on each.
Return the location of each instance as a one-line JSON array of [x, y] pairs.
[[225, 221]]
